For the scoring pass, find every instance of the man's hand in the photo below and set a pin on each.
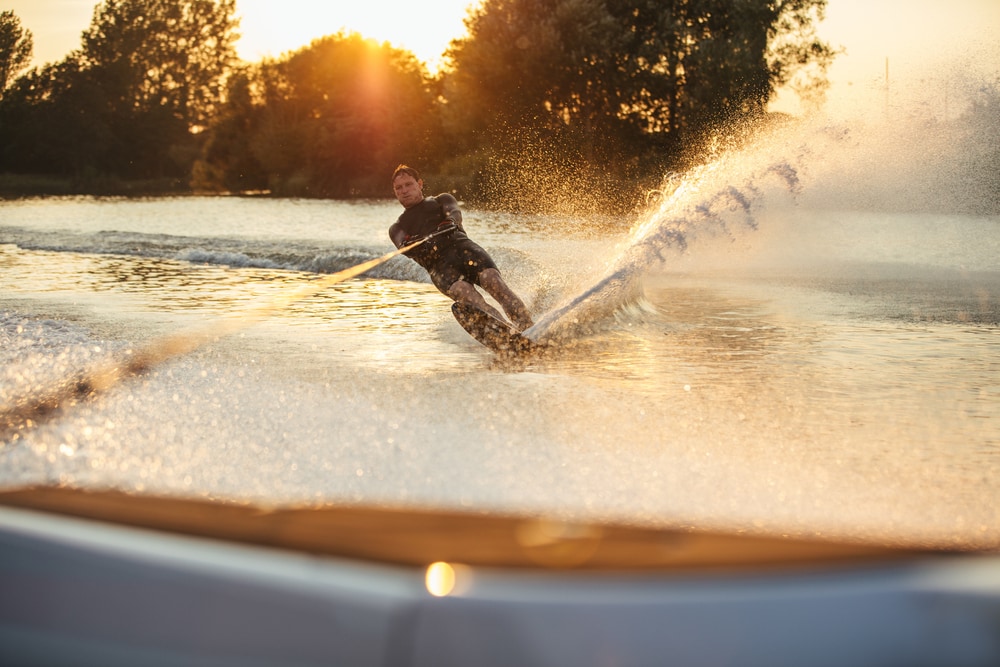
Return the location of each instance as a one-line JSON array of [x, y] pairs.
[[445, 228]]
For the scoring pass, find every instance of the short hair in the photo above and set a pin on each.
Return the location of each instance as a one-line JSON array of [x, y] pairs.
[[403, 169]]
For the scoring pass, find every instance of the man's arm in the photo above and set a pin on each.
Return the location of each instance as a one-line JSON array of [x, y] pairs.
[[397, 235], [452, 213]]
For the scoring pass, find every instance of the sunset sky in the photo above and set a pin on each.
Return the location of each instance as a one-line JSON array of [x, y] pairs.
[[270, 28], [907, 32]]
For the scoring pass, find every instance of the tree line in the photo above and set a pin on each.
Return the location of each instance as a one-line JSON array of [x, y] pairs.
[[544, 103]]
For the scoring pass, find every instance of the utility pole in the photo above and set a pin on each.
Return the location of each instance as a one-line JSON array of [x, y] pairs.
[[887, 86]]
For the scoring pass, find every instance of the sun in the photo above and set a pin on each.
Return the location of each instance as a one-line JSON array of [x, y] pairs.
[[426, 28]]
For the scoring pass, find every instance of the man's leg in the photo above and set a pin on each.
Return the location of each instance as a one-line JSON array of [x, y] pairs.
[[494, 284], [465, 292]]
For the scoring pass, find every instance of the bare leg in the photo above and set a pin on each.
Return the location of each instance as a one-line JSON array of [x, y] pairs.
[[465, 292], [494, 284]]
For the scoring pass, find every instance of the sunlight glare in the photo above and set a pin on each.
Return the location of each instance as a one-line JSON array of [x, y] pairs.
[[440, 579]]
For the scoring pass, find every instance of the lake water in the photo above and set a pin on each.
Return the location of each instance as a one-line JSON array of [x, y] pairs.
[[778, 344]]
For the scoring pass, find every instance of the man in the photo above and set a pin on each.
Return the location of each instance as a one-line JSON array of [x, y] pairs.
[[455, 264]]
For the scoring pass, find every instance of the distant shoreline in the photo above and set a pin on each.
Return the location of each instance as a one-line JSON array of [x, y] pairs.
[[15, 186], [20, 186]]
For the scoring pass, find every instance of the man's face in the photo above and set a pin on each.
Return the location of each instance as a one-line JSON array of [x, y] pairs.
[[409, 191]]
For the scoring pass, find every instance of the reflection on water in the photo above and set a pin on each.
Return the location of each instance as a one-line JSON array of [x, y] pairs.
[[363, 320], [165, 285], [150, 283], [893, 375], [745, 338]]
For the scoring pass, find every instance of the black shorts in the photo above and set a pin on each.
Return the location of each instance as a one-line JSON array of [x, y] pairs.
[[463, 260]]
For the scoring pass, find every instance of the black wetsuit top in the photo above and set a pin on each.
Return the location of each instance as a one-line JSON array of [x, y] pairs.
[[447, 258]]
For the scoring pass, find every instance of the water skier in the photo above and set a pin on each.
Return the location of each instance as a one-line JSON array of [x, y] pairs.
[[455, 263]]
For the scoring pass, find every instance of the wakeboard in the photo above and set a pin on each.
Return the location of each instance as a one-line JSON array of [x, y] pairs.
[[494, 333]]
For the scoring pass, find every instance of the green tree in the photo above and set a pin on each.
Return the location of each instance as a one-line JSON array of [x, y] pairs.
[[797, 57], [131, 101], [51, 123], [704, 65], [328, 120], [615, 89], [161, 66], [529, 94], [162, 55], [15, 48], [227, 162]]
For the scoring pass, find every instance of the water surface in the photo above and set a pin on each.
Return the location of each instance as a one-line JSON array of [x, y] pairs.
[[747, 357]]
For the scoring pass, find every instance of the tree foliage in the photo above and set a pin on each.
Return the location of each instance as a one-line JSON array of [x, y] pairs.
[[618, 88], [164, 56], [148, 74], [324, 121], [16, 46], [539, 95]]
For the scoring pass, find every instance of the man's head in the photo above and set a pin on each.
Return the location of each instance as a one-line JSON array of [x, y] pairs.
[[407, 185]]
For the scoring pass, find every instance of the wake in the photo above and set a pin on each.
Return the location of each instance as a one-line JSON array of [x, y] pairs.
[[717, 200], [903, 159]]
